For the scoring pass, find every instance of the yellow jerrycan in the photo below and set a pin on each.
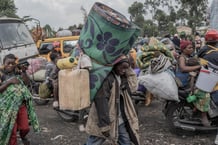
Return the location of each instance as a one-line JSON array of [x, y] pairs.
[[67, 63]]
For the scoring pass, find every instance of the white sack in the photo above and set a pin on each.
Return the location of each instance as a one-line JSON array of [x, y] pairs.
[[161, 85]]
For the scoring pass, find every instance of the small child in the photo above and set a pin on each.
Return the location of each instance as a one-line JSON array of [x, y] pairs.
[[16, 105], [52, 74]]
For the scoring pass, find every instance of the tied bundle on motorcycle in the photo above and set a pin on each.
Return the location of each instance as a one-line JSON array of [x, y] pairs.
[[74, 89], [161, 85]]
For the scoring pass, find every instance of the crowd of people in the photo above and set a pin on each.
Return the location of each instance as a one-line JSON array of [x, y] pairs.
[[112, 115], [190, 53]]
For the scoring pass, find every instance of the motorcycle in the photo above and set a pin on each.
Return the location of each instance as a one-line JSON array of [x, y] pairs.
[[183, 118]]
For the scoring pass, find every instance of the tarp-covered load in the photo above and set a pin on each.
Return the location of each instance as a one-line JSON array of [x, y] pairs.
[[151, 51], [155, 60], [106, 36]]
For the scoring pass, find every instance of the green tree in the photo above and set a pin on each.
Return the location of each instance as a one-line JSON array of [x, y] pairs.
[[173, 15], [151, 6], [136, 10], [155, 8], [181, 16], [162, 20], [80, 26], [150, 28], [139, 21], [172, 28], [165, 23], [7, 8], [71, 28], [186, 12], [196, 11]]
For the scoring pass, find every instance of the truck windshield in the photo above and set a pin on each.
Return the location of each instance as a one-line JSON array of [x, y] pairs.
[[13, 34]]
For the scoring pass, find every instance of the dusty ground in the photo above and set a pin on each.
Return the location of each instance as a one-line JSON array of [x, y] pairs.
[[153, 130]]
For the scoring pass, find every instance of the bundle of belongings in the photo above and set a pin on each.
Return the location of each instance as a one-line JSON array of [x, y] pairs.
[[36, 69], [156, 63], [106, 36]]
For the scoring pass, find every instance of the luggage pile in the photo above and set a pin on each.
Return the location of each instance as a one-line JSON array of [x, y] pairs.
[[36, 69], [155, 61]]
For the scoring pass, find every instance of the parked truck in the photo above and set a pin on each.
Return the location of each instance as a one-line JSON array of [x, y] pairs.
[[15, 38]]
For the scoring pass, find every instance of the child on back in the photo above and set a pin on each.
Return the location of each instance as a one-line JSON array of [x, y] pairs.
[[16, 105]]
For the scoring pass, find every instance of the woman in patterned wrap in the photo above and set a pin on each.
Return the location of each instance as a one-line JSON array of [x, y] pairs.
[[16, 108]]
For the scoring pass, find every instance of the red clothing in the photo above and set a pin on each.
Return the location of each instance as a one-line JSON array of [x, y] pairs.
[[21, 125]]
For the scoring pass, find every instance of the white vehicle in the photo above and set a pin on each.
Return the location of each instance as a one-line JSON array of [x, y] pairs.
[[15, 38]]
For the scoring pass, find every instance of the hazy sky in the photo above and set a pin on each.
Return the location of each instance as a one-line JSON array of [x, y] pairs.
[[65, 13]]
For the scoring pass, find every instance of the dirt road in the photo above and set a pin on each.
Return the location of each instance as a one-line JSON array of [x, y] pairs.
[[153, 130]]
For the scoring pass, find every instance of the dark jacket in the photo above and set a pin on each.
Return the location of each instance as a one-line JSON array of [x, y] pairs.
[[103, 115], [209, 56]]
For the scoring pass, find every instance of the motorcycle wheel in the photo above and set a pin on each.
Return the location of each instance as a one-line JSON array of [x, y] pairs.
[[41, 101], [68, 115], [38, 100], [175, 113], [34, 91]]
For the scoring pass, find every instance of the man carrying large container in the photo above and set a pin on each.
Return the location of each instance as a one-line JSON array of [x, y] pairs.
[[106, 38]]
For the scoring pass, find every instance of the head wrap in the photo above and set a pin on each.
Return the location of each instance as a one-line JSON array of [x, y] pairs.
[[184, 44], [121, 59]]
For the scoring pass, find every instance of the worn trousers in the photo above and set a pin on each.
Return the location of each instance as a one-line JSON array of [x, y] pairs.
[[123, 137], [21, 125]]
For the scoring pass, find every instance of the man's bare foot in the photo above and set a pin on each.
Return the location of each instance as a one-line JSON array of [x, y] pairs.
[[205, 120]]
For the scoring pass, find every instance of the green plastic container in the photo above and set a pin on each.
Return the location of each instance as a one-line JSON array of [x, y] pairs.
[[191, 98]]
